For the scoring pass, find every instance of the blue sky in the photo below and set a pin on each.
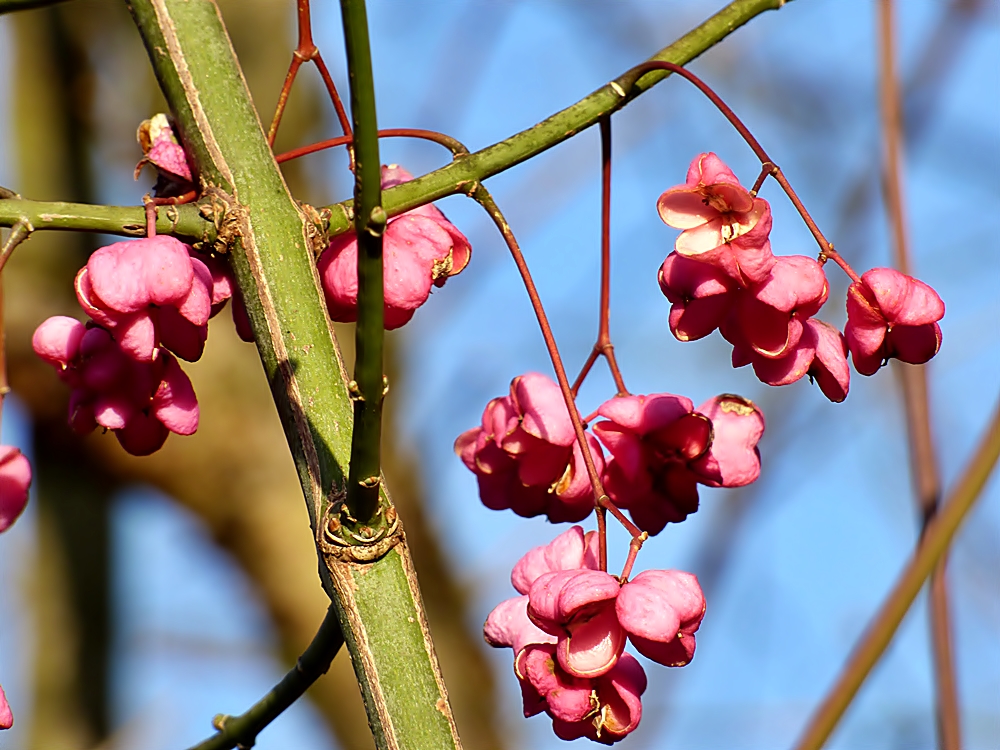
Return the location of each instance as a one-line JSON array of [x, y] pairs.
[[830, 523]]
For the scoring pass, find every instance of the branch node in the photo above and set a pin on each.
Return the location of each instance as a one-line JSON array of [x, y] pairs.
[[377, 220], [317, 225], [219, 721], [354, 391], [343, 539], [228, 216]]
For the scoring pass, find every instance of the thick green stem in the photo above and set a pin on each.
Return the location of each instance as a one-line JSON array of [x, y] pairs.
[[367, 572], [365, 470], [464, 173], [937, 536]]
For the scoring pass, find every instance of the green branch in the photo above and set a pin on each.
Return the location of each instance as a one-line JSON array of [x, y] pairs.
[[365, 470], [242, 730], [184, 222], [370, 579], [463, 173], [937, 536]]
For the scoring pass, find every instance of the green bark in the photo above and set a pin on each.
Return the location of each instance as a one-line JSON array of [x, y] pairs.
[[184, 222], [377, 599]]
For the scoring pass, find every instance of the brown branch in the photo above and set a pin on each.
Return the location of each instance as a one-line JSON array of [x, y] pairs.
[[876, 638], [923, 461]]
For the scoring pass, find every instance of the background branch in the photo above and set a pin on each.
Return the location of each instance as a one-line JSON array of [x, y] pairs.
[[923, 458], [937, 536]]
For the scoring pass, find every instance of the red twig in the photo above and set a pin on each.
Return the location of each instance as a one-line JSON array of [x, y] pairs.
[[633, 549], [482, 196], [18, 234], [603, 346], [825, 247], [456, 147], [150, 205], [923, 461], [307, 51]]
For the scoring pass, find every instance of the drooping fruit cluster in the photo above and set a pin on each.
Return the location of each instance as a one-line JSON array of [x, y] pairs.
[[569, 627], [723, 275], [526, 458], [149, 301]]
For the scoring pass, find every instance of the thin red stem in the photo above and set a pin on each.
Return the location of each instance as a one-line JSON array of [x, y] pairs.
[[177, 200], [633, 550], [331, 89], [286, 88], [604, 327], [150, 205], [766, 169], [826, 248], [603, 346], [307, 51], [456, 147], [18, 234], [482, 196], [584, 371]]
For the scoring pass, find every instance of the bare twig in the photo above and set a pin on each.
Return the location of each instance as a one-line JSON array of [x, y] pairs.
[[305, 51], [923, 461], [482, 196], [241, 731], [937, 536]]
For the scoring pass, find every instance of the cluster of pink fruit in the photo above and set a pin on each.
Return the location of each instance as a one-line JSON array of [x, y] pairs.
[[149, 302], [569, 626], [722, 275]]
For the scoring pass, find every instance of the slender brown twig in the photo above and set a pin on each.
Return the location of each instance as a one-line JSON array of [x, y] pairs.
[[933, 545], [923, 461], [603, 346], [149, 204], [482, 196], [306, 51], [456, 147], [826, 248]]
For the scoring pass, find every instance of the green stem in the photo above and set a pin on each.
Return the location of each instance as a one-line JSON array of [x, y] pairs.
[[183, 221], [242, 730], [937, 536], [464, 173], [365, 469], [368, 575]]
